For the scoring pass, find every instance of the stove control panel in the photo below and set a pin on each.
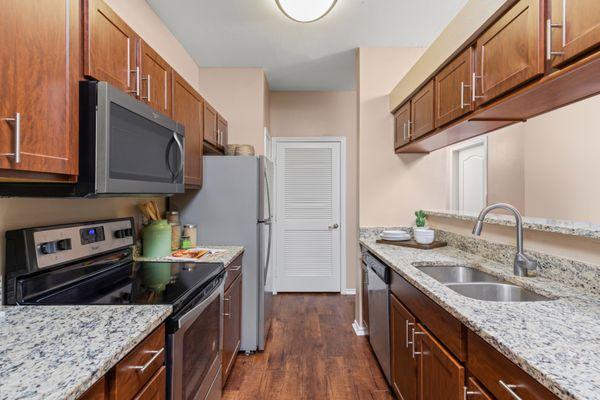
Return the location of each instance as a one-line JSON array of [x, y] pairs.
[[65, 243]]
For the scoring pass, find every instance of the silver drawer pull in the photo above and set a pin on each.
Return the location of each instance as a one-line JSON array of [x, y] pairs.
[[408, 342], [142, 368], [236, 268], [17, 120], [467, 393], [414, 333], [509, 388]]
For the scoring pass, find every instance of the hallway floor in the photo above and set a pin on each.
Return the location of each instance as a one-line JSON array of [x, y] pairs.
[[312, 353]]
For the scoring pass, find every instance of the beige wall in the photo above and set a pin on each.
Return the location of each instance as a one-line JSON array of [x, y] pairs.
[[310, 114], [391, 187], [144, 21], [239, 95]]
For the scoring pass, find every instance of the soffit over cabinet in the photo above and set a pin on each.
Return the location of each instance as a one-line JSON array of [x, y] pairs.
[[521, 64]]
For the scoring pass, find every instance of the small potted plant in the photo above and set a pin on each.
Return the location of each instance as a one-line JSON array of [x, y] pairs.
[[423, 235]]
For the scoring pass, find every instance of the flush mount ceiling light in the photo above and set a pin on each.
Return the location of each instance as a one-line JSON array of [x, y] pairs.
[[305, 10]]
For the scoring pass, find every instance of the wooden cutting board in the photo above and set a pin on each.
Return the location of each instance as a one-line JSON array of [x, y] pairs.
[[414, 245]]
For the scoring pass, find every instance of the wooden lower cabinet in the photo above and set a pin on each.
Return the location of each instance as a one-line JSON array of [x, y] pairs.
[[579, 30], [404, 363], [140, 375], [441, 376], [475, 391], [232, 326]]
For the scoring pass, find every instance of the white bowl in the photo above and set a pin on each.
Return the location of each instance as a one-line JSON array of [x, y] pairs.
[[425, 236], [424, 240]]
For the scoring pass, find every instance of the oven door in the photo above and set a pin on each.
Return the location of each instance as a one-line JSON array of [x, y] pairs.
[[194, 359], [138, 150]]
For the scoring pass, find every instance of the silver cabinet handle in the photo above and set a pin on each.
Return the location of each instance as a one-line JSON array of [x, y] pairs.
[[166, 96], [474, 87], [136, 71], [236, 268], [404, 131], [227, 314], [148, 79], [414, 333], [549, 27], [408, 342], [467, 393], [509, 388], [462, 95], [409, 123], [142, 368], [334, 226], [17, 132]]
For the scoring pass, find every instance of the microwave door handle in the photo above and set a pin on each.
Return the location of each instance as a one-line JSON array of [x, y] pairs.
[[169, 161], [181, 160]]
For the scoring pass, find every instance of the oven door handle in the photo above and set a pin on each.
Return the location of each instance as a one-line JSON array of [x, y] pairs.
[[191, 315]]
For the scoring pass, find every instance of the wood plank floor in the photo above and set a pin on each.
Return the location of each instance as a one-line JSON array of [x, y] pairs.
[[311, 353]]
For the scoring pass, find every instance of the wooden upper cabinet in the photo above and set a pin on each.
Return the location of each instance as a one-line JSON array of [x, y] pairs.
[[155, 76], [39, 93], [510, 52], [401, 125], [422, 112], [404, 364], [210, 124], [579, 31], [109, 47], [188, 109], [222, 130], [441, 377], [453, 89]]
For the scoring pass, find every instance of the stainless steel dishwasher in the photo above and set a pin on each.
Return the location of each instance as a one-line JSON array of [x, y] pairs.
[[379, 311]]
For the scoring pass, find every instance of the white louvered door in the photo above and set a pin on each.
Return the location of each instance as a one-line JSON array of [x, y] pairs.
[[308, 216]]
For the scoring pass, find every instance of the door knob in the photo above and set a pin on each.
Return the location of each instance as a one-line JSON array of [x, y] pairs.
[[334, 226]]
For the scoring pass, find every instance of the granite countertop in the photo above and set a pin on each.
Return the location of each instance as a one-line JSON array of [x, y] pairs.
[[557, 342], [226, 256], [58, 352]]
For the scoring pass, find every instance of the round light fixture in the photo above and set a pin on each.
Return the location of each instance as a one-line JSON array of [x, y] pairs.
[[305, 10]]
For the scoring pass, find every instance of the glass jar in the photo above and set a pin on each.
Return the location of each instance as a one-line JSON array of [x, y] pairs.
[[191, 231], [185, 242]]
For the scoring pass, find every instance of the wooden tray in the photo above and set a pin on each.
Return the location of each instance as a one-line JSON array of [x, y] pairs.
[[414, 245]]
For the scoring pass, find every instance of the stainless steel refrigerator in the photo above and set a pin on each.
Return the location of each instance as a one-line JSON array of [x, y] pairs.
[[234, 208]]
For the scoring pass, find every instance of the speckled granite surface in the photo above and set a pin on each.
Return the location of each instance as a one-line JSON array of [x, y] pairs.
[[557, 342], [226, 257], [58, 352], [571, 228]]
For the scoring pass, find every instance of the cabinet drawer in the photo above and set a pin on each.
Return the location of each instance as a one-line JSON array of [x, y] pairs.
[[129, 377], [444, 326], [492, 368], [233, 271], [156, 389]]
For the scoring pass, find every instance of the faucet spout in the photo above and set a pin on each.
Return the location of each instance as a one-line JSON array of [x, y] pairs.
[[522, 263]]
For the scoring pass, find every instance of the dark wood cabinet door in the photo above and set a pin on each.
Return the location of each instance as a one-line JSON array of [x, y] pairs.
[[510, 52], [109, 47], [453, 89], [99, 391], [222, 131], [422, 119], [210, 124], [188, 109], [404, 363], [580, 31], [401, 122], [39, 94], [232, 326], [475, 391], [441, 377], [155, 76], [156, 388]]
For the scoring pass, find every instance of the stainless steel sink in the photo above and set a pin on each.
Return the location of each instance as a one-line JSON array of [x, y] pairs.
[[496, 292], [457, 274]]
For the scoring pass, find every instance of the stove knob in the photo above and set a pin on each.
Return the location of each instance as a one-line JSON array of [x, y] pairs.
[[129, 232], [120, 234], [48, 248], [64, 244]]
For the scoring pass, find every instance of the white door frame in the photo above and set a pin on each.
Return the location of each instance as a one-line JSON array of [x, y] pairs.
[[343, 222], [452, 161]]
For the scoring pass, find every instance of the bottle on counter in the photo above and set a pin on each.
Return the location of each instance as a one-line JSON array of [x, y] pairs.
[[191, 231], [174, 221], [185, 242], [156, 238]]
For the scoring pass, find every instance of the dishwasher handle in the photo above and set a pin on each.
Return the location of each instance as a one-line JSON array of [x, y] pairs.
[[378, 267]]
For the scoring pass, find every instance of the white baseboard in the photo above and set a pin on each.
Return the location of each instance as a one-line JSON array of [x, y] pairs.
[[359, 330], [349, 291]]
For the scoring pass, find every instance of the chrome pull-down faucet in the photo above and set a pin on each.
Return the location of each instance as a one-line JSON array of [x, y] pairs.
[[522, 264]]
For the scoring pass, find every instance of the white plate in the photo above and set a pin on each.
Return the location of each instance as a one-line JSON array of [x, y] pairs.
[[396, 239], [394, 233]]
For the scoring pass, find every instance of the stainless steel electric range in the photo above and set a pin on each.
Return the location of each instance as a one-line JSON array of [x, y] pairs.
[[92, 263]]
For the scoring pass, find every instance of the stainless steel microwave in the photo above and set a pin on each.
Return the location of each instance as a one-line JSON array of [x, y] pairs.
[[125, 148]]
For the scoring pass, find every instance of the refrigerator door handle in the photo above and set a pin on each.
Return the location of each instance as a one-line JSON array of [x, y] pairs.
[[268, 259], [268, 187]]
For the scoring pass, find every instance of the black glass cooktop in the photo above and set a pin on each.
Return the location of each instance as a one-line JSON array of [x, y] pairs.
[[116, 279]]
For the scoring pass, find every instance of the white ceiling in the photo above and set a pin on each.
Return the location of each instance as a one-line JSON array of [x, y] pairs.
[[295, 56]]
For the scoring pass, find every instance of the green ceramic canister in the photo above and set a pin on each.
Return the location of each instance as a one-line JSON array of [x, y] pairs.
[[157, 239]]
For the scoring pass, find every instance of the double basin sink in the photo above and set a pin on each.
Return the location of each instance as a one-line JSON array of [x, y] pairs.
[[479, 285]]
